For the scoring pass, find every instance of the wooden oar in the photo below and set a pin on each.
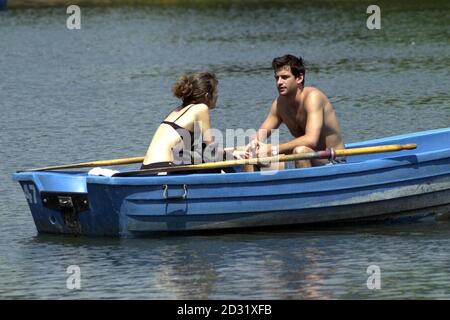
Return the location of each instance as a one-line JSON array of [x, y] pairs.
[[326, 154], [98, 163]]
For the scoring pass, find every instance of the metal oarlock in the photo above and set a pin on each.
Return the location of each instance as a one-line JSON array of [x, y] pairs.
[[332, 154]]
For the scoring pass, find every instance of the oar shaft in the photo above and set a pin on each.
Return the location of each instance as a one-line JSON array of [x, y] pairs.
[[98, 163], [374, 149], [326, 154], [222, 164], [112, 162]]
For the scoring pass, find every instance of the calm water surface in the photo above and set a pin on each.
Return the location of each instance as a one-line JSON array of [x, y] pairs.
[[100, 92]]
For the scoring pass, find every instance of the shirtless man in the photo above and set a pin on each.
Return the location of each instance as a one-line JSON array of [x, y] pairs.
[[307, 113]]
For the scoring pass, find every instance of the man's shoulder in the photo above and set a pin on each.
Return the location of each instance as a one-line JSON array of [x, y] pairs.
[[313, 91], [314, 96]]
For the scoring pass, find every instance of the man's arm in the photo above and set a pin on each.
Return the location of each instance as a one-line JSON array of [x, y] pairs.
[[272, 121], [314, 123]]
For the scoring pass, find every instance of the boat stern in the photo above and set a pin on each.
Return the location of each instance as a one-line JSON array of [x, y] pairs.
[[59, 203]]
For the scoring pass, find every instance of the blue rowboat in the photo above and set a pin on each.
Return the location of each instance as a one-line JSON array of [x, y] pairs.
[[408, 183]]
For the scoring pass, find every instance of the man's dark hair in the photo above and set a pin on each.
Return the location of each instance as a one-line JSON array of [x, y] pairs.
[[296, 64]]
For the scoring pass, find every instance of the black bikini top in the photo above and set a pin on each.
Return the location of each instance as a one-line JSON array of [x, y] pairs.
[[178, 127]]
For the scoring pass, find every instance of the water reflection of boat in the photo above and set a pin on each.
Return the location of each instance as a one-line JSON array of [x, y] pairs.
[[410, 183]]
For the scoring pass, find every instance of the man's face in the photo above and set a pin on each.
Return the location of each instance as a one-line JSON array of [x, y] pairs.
[[287, 83]]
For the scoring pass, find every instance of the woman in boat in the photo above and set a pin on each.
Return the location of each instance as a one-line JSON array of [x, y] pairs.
[[198, 93]]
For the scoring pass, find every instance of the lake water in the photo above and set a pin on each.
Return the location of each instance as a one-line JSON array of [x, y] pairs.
[[71, 96]]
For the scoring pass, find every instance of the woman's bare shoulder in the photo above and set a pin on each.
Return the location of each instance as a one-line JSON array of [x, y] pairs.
[[200, 107]]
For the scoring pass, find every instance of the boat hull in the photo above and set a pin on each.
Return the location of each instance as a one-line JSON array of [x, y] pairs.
[[410, 183]]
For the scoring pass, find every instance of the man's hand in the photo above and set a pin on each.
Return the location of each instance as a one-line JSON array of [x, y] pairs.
[[263, 150], [252, 147], [259, 149]]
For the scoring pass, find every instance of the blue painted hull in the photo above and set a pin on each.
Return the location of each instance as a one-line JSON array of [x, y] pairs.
[[369, 187]]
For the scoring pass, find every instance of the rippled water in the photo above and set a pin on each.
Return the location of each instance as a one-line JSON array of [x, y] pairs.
[[100, 92]]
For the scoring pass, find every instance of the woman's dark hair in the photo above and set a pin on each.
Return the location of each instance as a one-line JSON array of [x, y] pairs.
[[296, 64], [192, 88]]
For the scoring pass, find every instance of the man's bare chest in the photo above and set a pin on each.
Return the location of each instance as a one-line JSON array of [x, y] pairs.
[[295, 121]]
